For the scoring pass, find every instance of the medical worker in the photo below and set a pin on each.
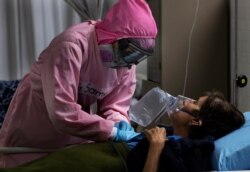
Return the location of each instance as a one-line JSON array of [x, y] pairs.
[[92, 62]]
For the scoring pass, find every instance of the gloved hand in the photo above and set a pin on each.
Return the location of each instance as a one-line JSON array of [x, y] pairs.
[[125, 132], [125, 136], [122, 125]]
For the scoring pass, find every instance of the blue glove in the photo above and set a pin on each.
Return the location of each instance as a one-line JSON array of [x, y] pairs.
[[125, 136], [122, 125], [125, 132]]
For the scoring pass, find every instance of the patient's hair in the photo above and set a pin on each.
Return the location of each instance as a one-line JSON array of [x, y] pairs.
[[218, 116]]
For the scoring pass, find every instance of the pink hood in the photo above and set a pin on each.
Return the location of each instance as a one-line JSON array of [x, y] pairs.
[[127, 19]]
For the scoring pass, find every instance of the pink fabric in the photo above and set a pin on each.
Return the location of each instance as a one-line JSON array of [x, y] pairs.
[[50, 108], [127, 19]]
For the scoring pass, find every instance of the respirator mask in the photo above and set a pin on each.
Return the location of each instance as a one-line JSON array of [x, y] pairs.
[[123, 53]]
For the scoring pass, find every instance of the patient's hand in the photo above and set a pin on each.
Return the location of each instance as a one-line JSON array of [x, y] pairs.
[[156, 137]]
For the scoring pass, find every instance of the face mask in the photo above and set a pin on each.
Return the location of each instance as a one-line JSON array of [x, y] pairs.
[[123, 54], [111, 58]]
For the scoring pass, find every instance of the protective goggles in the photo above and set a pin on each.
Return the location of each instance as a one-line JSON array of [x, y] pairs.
[[123, 54]]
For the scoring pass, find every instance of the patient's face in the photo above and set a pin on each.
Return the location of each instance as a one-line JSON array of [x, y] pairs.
[[188, 112]]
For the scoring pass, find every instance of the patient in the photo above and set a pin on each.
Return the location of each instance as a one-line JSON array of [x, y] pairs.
[[190, 141]]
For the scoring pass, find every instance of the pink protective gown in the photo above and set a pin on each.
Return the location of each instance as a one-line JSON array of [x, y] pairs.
[[51, 107]]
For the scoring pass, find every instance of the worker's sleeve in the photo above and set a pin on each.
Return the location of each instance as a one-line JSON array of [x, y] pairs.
[[60, 79], [115, 105]]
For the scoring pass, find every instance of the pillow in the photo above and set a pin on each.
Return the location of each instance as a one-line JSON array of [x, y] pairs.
[[232, 151]]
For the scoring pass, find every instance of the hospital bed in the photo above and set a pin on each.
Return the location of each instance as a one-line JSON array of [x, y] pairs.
[[231, 151]]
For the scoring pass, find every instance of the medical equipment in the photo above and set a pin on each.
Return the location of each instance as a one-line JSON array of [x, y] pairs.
[[154, 104], [189, 46]]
